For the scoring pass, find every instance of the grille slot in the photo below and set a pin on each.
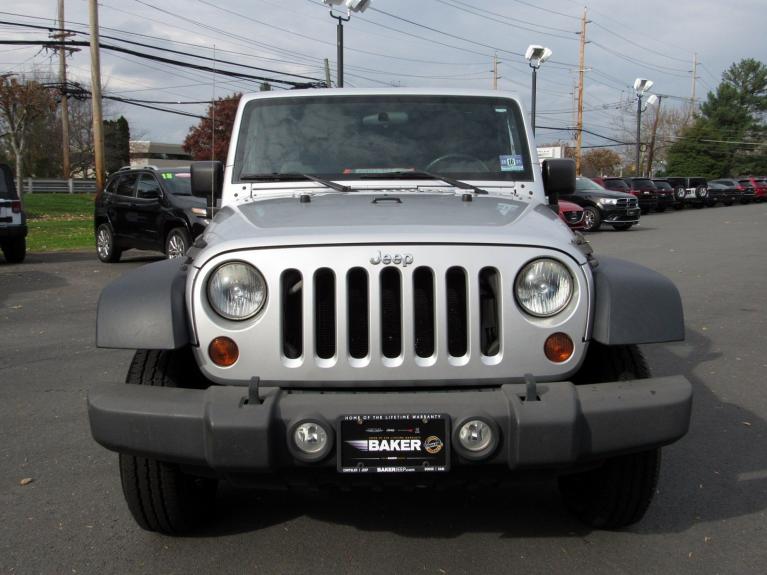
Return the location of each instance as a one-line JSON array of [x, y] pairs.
[[489, 311], [391, 312], [423, 312], [325, 313], [358, 307], [291, 290], [457, 334]]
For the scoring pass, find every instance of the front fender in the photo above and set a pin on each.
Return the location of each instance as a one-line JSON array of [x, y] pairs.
[[145, 309], [634, 304]]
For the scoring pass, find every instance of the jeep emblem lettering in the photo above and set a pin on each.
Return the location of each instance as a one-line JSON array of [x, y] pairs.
[[403, 260]]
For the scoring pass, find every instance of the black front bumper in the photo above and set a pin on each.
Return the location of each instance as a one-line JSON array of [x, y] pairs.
[[219, 429], [620, 214]]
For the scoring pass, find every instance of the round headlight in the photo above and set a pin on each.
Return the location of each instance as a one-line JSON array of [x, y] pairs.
[[543, 287], [236, 291]]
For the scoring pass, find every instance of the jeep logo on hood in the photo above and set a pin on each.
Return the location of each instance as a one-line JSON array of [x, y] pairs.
[[403, 260]]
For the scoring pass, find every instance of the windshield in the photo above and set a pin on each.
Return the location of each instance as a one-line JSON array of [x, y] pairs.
[[586, 184], [616, 185], [642, 183], [348, 137], [177, 183]]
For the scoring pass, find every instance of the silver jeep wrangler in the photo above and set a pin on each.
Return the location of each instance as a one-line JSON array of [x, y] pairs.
[[385, 293]]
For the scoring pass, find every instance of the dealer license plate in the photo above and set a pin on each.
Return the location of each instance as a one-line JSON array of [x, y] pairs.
[[393, 443]]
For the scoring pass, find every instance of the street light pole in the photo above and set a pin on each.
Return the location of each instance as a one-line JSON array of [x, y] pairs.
[[535, 56], [351, 6], [532, 104], [340, 47], [639, 128], [641, 85]]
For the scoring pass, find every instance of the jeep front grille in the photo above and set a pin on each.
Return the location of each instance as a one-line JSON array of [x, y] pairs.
[[340, 315], [384, 308]]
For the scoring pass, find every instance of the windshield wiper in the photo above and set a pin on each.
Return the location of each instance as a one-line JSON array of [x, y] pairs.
[[414, 174], [275, 177]]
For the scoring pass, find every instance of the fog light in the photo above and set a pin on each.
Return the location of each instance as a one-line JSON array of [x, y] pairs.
[[558, 347], [223, 352], [310, 437], [475, 435]]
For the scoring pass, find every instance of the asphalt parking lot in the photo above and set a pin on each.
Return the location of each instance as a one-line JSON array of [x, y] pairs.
[[708, 515]]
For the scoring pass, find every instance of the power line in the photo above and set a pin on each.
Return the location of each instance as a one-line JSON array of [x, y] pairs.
[[493, 17], [229, 73]]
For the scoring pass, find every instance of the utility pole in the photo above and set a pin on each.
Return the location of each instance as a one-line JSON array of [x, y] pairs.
[[495, 71], [327, 72], [651, 151], [581, 71], [694, 82], [61, 35], [98, 123]]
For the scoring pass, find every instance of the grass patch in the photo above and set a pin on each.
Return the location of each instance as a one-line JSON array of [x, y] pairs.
[[59, 222], [61, 206]]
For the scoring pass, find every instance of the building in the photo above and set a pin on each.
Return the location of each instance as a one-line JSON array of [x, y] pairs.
[[148, 153]]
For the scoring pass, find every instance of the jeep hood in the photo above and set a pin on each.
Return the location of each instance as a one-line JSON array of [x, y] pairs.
[[386, 218]]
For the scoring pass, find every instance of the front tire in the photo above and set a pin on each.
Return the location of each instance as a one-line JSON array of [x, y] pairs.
[[592, 219], [160, 496], [176, 243], [106, 250], [618, 492], [15, 250]]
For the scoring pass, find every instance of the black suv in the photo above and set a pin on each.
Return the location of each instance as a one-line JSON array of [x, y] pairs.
[[617, 209], [644, 194], [148, 209], [13, 222]]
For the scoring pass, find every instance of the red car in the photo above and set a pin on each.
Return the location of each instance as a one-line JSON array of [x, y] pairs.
[[572, 215], [760, 187]]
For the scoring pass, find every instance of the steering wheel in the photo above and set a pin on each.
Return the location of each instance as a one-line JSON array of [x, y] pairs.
[[456, 156]]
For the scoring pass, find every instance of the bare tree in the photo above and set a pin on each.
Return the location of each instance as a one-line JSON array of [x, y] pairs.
[[21, 102]]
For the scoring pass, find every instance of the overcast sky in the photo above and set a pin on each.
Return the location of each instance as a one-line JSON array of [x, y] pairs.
[[446, 43]]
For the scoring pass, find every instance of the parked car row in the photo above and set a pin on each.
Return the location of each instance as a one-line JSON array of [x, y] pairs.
[[154, 209], [619, 202]]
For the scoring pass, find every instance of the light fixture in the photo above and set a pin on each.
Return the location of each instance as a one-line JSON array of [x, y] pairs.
[[535, 55], [641, 85]]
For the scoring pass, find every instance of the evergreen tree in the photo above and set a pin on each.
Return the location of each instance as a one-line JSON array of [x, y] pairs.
[[724, 140]]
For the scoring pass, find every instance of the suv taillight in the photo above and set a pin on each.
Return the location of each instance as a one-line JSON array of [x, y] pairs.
[[16, 206]]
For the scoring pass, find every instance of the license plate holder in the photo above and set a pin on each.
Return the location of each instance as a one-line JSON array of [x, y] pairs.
[[393, 443]]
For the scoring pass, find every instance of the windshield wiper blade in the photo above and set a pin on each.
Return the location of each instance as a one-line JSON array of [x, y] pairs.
[[281, 177], [414, 174]]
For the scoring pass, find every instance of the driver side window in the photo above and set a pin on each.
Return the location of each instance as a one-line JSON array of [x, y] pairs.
[[148, 187]]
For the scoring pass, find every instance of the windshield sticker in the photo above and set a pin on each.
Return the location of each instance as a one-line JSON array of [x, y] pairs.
[[511, 163], [183, 175], [167, 176], [501, 110]]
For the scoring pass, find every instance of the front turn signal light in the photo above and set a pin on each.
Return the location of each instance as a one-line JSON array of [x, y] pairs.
[[558, 347], [223, 352]]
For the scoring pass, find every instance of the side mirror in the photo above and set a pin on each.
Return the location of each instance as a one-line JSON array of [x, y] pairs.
[[558, 177], [207, 180]]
